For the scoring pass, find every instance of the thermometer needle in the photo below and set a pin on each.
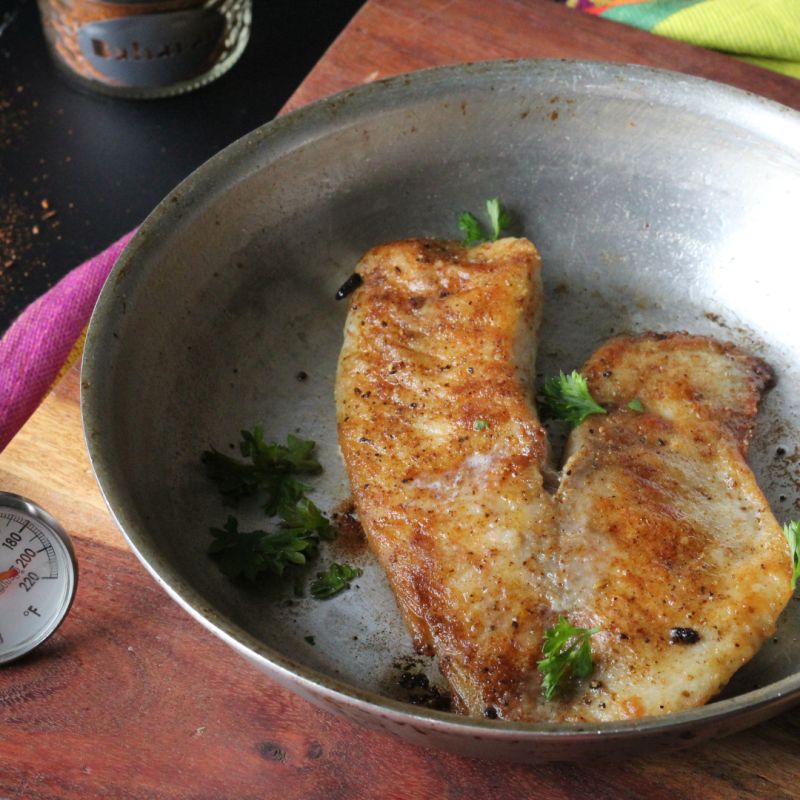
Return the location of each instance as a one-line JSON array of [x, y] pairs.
[[9, 573]]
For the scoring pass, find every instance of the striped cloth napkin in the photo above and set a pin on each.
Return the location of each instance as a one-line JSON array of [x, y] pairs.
[[763, 32], [47, 339]]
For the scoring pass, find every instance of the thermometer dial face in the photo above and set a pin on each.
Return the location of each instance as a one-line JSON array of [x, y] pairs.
[[38, 576]]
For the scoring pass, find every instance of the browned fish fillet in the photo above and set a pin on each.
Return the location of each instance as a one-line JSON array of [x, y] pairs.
[[440, 340], [667, 543], [658, 534]]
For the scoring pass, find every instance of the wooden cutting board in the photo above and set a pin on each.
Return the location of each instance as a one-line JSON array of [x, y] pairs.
[[134, 699]]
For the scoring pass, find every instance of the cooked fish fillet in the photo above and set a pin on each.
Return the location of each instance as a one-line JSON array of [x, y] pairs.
[[658, 533], [439, 340], [667, 543]]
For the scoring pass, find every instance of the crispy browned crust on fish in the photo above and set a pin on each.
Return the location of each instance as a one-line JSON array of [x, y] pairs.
[[440, 340], [681, 377], [667, 543], [658, 533]]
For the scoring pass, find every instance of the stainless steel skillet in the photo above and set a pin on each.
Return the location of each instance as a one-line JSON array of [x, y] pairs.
[[658, 202]]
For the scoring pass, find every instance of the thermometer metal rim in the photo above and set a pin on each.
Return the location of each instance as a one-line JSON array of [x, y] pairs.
[[14, 502]]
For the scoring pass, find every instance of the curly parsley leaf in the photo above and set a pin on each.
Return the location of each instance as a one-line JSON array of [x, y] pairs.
[[294, 457], [567, 397], [792, 534], [306, 518], [558, 656], [250, 553], [498, 216], [235, 478], [471, 228], [473, 231], [270, 471], [334, 580]]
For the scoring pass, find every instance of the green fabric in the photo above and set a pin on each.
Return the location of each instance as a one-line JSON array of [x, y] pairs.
[[647, 15], [762, 32], [762, 28]]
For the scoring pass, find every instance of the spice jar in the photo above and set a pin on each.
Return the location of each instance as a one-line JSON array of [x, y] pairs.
[[147, 48]]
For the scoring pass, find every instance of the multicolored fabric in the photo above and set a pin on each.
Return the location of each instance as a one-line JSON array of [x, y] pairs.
[[763, 32], [47, 339]]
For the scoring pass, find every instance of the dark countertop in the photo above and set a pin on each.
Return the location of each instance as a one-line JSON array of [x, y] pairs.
[[103, 164]]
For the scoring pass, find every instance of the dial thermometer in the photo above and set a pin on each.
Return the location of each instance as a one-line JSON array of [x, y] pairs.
[[38, 576]]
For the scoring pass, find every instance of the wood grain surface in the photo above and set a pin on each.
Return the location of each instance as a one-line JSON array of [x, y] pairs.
[[133, 699], [388, 37]]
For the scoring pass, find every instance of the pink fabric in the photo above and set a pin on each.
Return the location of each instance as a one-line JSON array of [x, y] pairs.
[[40, 340]]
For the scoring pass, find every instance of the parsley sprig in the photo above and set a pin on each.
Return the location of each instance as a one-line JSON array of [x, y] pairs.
[[558, 656], [301, 527], [271, 470], [473, 231], [250, 553], [567, 397], [334, 580], [792, 534]]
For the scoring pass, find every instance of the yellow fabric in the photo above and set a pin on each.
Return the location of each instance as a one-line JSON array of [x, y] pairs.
[[790, 68], [74, 355], [768, 28]]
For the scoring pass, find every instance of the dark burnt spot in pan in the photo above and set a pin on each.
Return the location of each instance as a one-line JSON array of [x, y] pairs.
[[349, 286]]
